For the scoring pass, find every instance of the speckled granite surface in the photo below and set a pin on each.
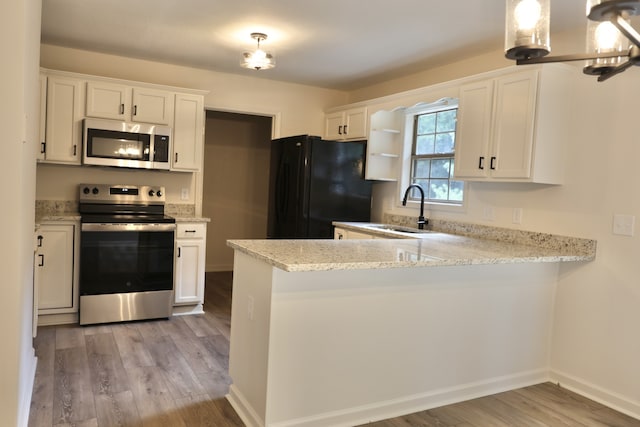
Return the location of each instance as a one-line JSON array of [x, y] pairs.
[[67, 210], [434, 249], [506, 235]]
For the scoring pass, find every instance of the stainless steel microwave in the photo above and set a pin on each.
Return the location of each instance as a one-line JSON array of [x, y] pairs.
[[123, 144]]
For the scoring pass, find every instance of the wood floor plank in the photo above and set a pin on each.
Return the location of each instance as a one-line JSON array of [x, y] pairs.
[[41, 409], [219, 347], [577, 407], [133, 352], [107, 372], [179, 377], [117, 410], [68, 336], [200, 326], [73, 394], [88, 423], [150, 329], [200, 411], [156, 407]]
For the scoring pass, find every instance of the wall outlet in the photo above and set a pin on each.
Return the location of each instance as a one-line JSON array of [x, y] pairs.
[[517, 216], [184, 194], [623, 225]]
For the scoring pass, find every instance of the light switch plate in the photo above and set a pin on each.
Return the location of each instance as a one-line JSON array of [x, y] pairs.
[[184, 194], [517, 216], [623, 225]]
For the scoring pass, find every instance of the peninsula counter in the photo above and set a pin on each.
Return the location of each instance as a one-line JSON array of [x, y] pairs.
[[340, 333]]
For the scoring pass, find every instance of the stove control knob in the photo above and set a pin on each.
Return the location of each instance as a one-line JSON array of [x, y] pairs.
[[86, 190], [150, 193], [95, 190], [159, 193]]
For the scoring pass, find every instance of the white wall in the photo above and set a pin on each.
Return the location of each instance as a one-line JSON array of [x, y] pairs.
[[595, 348], [19, 48]]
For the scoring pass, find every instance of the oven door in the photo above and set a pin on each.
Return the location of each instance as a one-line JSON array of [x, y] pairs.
[[124, 258]]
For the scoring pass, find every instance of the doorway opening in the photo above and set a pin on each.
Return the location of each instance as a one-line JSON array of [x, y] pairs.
[[235, 192]]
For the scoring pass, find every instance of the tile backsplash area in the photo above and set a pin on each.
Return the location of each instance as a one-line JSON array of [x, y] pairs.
[[67, 207]]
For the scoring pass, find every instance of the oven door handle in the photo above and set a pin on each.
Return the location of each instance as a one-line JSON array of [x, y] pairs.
[[127, 227]]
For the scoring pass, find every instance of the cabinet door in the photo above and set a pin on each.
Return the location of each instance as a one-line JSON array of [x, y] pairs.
[[355, 124], [188, 133], [63, 134], [474, 130], [108, 101], [333, 127], [55, 264], [152, 106], [513, 125], [189, 272], [43, 118]]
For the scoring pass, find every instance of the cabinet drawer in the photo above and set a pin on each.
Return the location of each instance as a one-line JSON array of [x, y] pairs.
[[191, 231]]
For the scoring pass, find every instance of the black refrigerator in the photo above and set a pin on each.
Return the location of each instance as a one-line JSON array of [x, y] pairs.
[[314, 182]]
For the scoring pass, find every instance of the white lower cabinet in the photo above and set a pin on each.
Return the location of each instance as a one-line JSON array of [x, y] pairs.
[[342, 234], [190, 263], [56, 268]]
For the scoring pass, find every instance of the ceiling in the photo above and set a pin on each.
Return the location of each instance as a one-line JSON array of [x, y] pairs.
[[340, 44]]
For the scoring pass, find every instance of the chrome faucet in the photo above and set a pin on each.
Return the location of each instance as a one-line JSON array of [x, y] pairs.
[[421, 220]]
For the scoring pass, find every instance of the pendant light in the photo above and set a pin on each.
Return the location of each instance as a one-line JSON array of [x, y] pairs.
[[258, 59], [613, 45]]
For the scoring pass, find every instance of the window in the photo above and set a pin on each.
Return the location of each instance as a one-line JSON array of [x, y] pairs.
[[432, 155]]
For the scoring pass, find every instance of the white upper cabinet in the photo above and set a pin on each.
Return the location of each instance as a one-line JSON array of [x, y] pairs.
[[63, 124], [347, 124], [188, 135], [121, 102], [512, 128], [152, 106]]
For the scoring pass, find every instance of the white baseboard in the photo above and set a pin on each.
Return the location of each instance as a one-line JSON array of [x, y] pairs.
[[182, 310], [25, 399], [606, 397], [245, 411], [393, 408], [57, 319]]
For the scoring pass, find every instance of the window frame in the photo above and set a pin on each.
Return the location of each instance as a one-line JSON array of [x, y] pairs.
[[411, 114]]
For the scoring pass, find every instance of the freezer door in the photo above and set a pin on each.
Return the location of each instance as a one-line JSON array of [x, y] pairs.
[[337, 188], [286, 189]]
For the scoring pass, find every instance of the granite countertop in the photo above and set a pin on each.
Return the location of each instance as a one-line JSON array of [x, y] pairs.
[[191, 219], [433, 249]]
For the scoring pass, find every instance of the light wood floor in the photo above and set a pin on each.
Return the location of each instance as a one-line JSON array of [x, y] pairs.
[[174, 373]]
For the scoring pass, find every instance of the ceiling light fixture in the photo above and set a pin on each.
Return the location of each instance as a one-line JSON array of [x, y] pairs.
[[613, 45], [258, 59]]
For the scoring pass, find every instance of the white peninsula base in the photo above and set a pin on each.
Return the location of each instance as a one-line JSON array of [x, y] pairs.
[[349, 346]]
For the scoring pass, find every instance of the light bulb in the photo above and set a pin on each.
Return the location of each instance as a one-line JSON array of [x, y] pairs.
[[527, 14], [607, 36]]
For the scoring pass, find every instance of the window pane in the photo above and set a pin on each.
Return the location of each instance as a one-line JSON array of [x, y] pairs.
[[456, 189], [439, 189], [445, 142], [426, 123], [421, 168], [446, 121], [440, 168], [424, 144], [415, 193]]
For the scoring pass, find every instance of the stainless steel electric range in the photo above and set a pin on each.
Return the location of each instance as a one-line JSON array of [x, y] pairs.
[[126, 253]]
